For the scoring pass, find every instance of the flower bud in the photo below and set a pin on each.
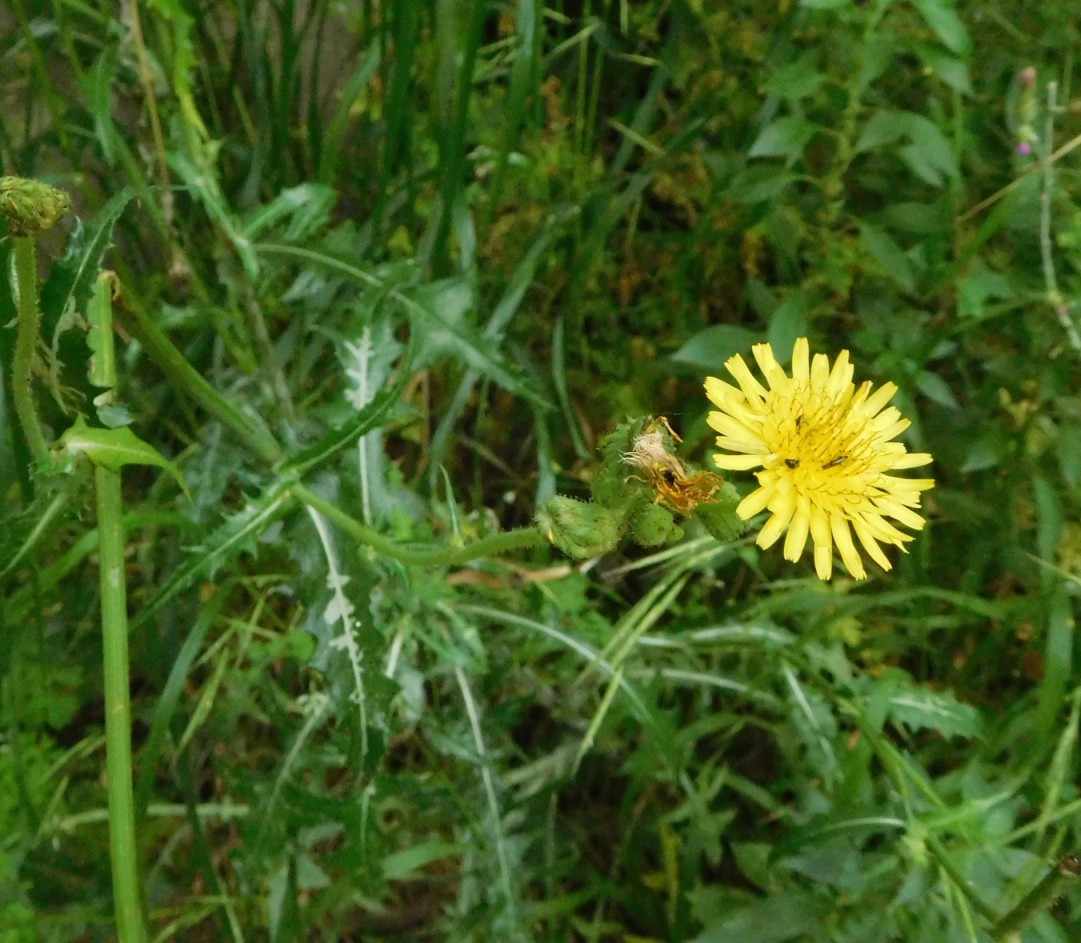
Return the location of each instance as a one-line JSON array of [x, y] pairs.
[[654, 525], [578, 528], [30, 206]]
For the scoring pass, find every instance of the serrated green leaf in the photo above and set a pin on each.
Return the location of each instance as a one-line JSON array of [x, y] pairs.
[[238, 532], [437, 314], [306, 208], [71, 280], [115, 448], [370, 417], [923, 709]]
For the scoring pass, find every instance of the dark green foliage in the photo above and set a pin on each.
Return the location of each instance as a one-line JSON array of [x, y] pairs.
[[422, 257]]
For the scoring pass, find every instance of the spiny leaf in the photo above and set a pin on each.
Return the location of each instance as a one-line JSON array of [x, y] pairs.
[[234, 536], [115, 448]]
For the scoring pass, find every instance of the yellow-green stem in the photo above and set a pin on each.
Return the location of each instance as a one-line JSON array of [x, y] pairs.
[[127, 898], [450, 556], [28, 325]]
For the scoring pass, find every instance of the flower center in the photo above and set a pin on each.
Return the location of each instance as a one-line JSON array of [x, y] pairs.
[[817, 444]]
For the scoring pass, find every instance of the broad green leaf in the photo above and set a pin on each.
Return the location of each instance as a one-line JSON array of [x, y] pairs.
[[202, 182], [883, 127], [785, 137], [795, 915], [835, 825], [796, 80], [437, 314], [941, 16], [889, 256], [930, 155], [1068, 445], [115, 448], [788, 322], [400, 865], [952, 71], [980, 287], [760, 183], [936, 389], [369, 417], [712, 346]]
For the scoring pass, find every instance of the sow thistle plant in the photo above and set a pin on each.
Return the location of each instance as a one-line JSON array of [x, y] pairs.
[[824, 450]]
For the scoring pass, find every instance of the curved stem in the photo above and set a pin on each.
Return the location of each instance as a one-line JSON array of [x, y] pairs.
[[28, 325], [186, 378], [505, 542]]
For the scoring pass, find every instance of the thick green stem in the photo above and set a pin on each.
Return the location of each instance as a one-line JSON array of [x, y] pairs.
[[1042, 895], [187, 379], [450, 556], [26, 338], [1067, 868], [127, 899]]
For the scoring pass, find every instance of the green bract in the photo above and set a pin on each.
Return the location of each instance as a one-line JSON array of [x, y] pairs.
[[30, 206]]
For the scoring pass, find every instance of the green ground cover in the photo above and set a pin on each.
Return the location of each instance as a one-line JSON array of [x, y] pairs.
[[399, 291]]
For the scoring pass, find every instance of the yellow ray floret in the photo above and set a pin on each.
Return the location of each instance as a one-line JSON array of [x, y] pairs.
[[824, 448]]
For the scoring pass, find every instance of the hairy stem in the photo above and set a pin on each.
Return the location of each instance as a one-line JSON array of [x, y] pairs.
[[505, 542], [26, 338], [1067, 868]]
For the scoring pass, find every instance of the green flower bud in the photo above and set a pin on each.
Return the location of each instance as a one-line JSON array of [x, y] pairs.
[[578, 528], [718, 516], [30, 206], [654, 525], [619, 488]]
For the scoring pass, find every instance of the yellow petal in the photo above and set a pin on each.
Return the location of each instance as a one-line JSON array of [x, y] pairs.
[[842, 536], [783, 507], [841, 375], [755, 502], [767, 363], [823, 541], [801, 352], [736, 462], [880, 398], [874, 551], [751, 388], [798, 530], [722, 394], [913, 460]]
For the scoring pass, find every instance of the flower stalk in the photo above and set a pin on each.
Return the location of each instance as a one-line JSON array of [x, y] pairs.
[[127, 896], [28, 326]]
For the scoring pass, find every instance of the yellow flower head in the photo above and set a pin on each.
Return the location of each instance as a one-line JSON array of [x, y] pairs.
[[824, 448]]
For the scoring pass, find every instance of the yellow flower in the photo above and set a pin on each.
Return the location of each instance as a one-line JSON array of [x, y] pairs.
[[825, 449]]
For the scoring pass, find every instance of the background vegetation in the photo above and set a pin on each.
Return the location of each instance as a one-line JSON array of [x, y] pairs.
[[527, 222]]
